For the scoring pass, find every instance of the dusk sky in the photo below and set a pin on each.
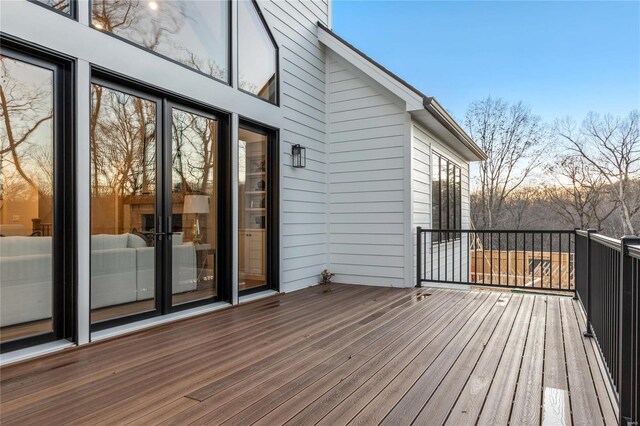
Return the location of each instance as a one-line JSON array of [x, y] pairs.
[[561, 58]]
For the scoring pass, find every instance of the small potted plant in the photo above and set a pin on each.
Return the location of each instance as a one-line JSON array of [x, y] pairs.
[[325, 277]]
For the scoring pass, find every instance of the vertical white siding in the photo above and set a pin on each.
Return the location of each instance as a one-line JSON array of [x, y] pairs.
[[303, 191], [452, 257], [366, 182]]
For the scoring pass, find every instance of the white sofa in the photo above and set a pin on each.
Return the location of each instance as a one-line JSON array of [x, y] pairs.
[[122, 271]]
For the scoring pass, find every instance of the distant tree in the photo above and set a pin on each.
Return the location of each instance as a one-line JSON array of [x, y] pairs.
[[513, 138], [579, 193], [611, 145]]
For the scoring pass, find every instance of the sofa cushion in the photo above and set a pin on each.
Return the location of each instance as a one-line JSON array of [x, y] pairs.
[[109, 241], [135, 241], [21, 246]]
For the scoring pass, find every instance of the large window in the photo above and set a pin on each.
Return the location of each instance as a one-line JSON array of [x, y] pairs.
[[446, 199], [194, 33], [35, 205], [257, 54]]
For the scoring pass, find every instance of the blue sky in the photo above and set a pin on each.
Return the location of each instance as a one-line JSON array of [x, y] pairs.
[[561, 58]]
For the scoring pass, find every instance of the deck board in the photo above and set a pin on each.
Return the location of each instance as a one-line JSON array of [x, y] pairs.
[[356, 355]]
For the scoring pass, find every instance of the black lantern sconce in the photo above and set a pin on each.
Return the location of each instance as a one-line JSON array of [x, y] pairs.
[[298, 156]]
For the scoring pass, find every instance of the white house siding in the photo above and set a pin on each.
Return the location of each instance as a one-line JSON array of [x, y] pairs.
[[367, 127], [451, 256], [303, 191]]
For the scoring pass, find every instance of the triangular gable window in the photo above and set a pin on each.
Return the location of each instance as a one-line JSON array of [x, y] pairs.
[[257, 53]]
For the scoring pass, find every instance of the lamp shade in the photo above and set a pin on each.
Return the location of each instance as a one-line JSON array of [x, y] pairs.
[[196, 204]]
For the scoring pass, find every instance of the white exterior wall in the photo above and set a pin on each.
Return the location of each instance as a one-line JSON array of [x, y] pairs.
[[454, 263], [367, 184], [303, 195]]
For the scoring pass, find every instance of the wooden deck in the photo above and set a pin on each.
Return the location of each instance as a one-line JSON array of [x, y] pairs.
[[357, 355]]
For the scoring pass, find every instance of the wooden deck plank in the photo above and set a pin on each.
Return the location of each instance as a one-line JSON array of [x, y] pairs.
[[599, 374], [150, 345], [556, 408], [528, 396], [225, 388], [96, 394], [486, 352], [462, 328], [291, 381], [212, 381], [585, 407], [409, 341], [354, 392], [358, 354], [472, 398], [432, 396]]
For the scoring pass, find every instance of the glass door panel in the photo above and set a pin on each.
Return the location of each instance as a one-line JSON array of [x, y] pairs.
[[123, 204], [194, 206], [26, 199], [252, 209]]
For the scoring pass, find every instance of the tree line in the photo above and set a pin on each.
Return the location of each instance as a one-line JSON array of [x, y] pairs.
[[564, 174]]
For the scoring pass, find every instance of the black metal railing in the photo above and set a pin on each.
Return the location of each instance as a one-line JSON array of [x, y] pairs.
[[608, 286], [532, 259]]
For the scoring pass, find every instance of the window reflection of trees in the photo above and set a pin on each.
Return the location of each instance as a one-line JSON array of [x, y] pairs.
[[194, 33], [194, 139], [26, 130], [123, 136], [61, 5]]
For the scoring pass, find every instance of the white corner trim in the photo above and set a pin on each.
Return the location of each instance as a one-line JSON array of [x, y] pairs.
[[152, 322], [34, 351]]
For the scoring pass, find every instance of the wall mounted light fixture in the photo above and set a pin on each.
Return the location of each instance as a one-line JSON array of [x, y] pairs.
[[298, 156]]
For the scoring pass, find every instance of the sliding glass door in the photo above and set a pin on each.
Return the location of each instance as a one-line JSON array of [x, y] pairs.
[[155, 187]]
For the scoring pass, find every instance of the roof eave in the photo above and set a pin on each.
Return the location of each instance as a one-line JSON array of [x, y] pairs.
[[408, 93], [443, 117]]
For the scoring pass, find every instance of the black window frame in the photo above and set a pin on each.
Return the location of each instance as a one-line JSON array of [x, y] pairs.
[[447, 206], [167, 58], [277, 54], [64, 250], [73, 8], [166, 100], [272, 245]]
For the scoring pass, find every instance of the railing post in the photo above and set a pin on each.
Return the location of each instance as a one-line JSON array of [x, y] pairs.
[[589, 331], [627, 347], [575, 242], [419, 258]]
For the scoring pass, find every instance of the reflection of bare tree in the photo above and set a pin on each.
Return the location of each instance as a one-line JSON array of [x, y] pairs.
[[26, 103], [157, 26], [122, 143], [61, 5], [194, 139]]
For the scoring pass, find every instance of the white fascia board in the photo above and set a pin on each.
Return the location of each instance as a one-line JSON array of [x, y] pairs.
[[412, 100], [425, 119]]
